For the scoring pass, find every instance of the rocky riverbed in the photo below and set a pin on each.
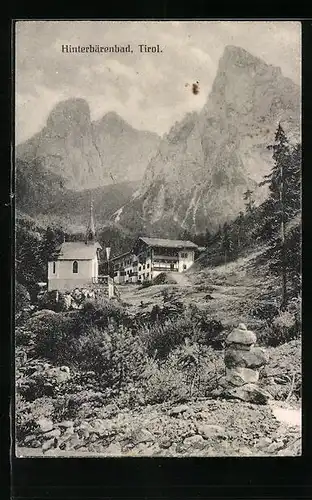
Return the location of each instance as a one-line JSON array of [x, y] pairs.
[[199, 428]]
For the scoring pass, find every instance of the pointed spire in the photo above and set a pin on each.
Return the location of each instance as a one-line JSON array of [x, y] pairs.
[[90, 234]]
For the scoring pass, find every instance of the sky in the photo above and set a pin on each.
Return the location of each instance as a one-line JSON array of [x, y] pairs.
[[146, 89]]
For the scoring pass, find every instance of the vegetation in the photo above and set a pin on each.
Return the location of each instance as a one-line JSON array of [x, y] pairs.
[[275, 223], [172, 352]]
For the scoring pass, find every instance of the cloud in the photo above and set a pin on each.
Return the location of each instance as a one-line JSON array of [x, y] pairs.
[[148, 90]]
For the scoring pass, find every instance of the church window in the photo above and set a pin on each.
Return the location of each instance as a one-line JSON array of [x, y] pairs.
[[75, 267]]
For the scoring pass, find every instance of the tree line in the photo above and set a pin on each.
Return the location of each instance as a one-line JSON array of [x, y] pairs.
[[275, 222]]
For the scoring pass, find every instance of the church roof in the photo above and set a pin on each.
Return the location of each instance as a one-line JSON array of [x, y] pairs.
[[77, 250]]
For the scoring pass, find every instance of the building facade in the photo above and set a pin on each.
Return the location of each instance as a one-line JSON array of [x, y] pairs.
[[151, 256], [75, 264]]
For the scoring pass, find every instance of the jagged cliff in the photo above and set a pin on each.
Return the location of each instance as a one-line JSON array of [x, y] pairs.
[[207, 161], [86, 154]]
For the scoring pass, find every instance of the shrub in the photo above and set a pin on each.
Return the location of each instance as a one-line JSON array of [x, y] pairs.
[[114, 353], [55, 336], [102, 311], [22, 297], [24, 419], [162, 338], [165, 382], [190, 371], [146, 284], [284, 328]]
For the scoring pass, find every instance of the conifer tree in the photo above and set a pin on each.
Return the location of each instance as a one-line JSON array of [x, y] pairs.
[[226, 242], [284, 200]]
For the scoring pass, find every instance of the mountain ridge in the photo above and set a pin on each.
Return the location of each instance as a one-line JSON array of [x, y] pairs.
[[88, 154], [207, 161]]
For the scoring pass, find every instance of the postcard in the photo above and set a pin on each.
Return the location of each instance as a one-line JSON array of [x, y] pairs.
[[158, 238]]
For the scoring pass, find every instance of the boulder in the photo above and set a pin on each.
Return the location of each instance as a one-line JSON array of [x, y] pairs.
[[210, 430], [242, 336], [247, 375], [165, 443], [195, 442], [66, 423], [250, 393], [58, 374], [254, 358], [45, 424], [55, 433], [178, 409], [47, 445], [43, 313], [142, 436], [114, 449]]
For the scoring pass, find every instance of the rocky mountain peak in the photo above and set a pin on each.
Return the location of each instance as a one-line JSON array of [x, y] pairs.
[[85, 154], [209, 159], [113, 123], [71, 111]]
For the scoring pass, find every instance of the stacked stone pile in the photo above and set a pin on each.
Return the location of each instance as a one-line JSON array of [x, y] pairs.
[[243, 362]]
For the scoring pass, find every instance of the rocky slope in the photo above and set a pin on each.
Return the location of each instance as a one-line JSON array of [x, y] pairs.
[[86, 154], [203, 427], [207, 161]]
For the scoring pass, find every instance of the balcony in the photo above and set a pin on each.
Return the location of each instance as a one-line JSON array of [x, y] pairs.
[[166, 257], [165, 269]]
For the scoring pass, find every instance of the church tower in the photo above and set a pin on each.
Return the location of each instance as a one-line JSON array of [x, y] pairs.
[[90, 233]]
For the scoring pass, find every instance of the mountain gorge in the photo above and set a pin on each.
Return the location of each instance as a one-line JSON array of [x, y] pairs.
[[206, 163]]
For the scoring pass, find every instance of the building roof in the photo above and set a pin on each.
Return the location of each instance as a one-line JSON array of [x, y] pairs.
[[77, 250], [121, 255], [160, 242]]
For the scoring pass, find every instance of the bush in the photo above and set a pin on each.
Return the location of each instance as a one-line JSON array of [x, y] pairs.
[[114, 353], [55, 336], [22, 297], [102, 311], [190, 371], [146, 284], [162, 338], [165, 382], [285, 327]]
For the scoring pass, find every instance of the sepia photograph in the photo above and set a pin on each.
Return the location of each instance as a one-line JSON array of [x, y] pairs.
[[157, 171]]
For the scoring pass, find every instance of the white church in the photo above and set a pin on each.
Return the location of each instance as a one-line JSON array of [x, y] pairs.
[[75, 264]]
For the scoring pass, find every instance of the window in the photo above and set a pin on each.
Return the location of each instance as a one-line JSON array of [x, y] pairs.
[[184, 255], [75, 267], [53, 268], [143, 266], [147, 266], [139, 268], [184, 266]]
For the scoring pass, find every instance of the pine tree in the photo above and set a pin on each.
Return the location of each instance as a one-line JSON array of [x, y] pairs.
[[226, 242], [250, 202], [207, 238], [284, 200]]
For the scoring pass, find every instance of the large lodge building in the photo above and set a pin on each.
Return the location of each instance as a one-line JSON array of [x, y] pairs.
[[151, 256]]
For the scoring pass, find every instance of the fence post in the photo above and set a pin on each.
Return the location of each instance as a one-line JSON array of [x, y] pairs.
[[110, 288]]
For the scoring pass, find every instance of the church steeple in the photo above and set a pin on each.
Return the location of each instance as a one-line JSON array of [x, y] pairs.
[[90, 233]]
